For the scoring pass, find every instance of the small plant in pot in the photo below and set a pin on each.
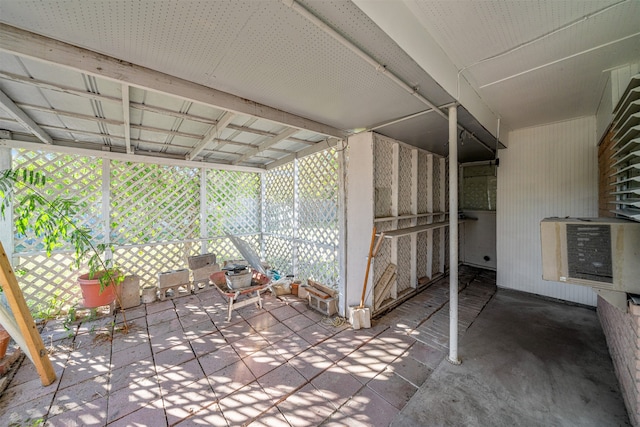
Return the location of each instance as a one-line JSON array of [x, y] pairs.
[[54, 221]]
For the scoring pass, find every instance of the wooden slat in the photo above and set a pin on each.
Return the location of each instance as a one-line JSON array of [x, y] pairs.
[[35, 346], [383, 286]]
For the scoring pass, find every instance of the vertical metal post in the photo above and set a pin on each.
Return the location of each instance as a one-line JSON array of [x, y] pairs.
[[204, 230], [296, 210], [6, 224], [342, 214], [106, 206], [453, 236]]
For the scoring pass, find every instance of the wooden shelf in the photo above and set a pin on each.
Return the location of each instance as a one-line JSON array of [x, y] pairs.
[[413, 216], [417, 229]]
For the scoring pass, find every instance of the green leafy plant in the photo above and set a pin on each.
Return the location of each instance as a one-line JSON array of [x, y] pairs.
[[53, 220]]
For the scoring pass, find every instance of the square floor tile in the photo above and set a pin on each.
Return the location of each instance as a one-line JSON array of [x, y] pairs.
[[336, 385], [245, 404], [369, 409], [214, 361], [207, 343], [392, 388], [284, 312], [306, 407], [281, 382], [264, 361], [230, 378], [310, 363]]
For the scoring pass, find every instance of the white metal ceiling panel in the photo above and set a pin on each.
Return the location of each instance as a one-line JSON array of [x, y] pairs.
[[470, 30]]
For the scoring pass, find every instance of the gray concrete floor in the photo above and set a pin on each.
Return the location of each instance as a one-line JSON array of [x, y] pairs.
[[526, 362]]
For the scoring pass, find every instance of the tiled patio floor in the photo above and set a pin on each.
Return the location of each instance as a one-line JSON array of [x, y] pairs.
[[183, 364]]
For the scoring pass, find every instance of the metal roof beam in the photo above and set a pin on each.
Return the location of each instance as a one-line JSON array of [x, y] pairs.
[[267, 144], [319, 146], [212, 135], [127, 121], [140, 158], [21, 117], [25, 43]]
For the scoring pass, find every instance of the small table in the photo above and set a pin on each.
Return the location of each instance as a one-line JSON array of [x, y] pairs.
[[259, 283]]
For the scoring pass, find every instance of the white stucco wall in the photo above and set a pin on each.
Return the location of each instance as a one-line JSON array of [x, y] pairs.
[[547, 171]]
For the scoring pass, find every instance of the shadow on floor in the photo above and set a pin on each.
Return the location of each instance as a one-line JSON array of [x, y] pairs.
[[184, 364], [527, 361]]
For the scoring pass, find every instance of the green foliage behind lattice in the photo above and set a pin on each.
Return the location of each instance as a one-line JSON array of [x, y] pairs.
[[153, 203]]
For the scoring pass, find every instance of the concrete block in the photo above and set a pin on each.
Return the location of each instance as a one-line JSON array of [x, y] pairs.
[[200, 261], [129, 292], [328, 306], [172, 278], [201, 275], [634, 309]]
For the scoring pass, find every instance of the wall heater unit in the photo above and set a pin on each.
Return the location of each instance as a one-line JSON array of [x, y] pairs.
[[603, 253]]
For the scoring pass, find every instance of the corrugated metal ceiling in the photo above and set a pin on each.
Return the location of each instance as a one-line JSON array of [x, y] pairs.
[[260, 68]]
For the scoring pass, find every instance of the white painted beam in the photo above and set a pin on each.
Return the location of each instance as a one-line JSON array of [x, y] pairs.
[[212, 135], [126, 118], [24, 43], [400, 21], [266, 145], [35, 146], [21, 117], [320, 146]]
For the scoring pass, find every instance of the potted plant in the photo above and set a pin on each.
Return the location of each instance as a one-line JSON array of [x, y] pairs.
[[53, 220]]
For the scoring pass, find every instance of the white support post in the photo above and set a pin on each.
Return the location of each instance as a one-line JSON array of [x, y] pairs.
[[342, 214], [6, 224], [296, 209], [430, 241], [414, 221], [106, 205], [395, 195], [263, 201], [443, 207], [204, 231], [453, 236]]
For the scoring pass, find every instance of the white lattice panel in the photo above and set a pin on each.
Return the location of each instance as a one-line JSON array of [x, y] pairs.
[[421, 255], [279, 254], [225, 250], [233, 203], [382, 172], [317, 263], [151, 203], [381, 261], [424, 182], [149, 260], [436, 251], [405, 183], [42, 278], [318, 198], [67, 176], [279, 199], [436, 185], [404, 263]]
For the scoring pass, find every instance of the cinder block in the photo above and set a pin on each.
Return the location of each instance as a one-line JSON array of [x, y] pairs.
[[328, 306], [172, 278], [200, 261], [201, 275], [129, 292]]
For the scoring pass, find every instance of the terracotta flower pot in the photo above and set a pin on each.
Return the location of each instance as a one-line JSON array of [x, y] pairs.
[[4, 342], [91, 295]]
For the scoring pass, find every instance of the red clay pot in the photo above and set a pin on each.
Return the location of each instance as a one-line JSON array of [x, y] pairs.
[[91, 295]]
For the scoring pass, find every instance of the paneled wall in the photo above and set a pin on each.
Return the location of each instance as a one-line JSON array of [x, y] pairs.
[[403, 192], [547, 171]]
